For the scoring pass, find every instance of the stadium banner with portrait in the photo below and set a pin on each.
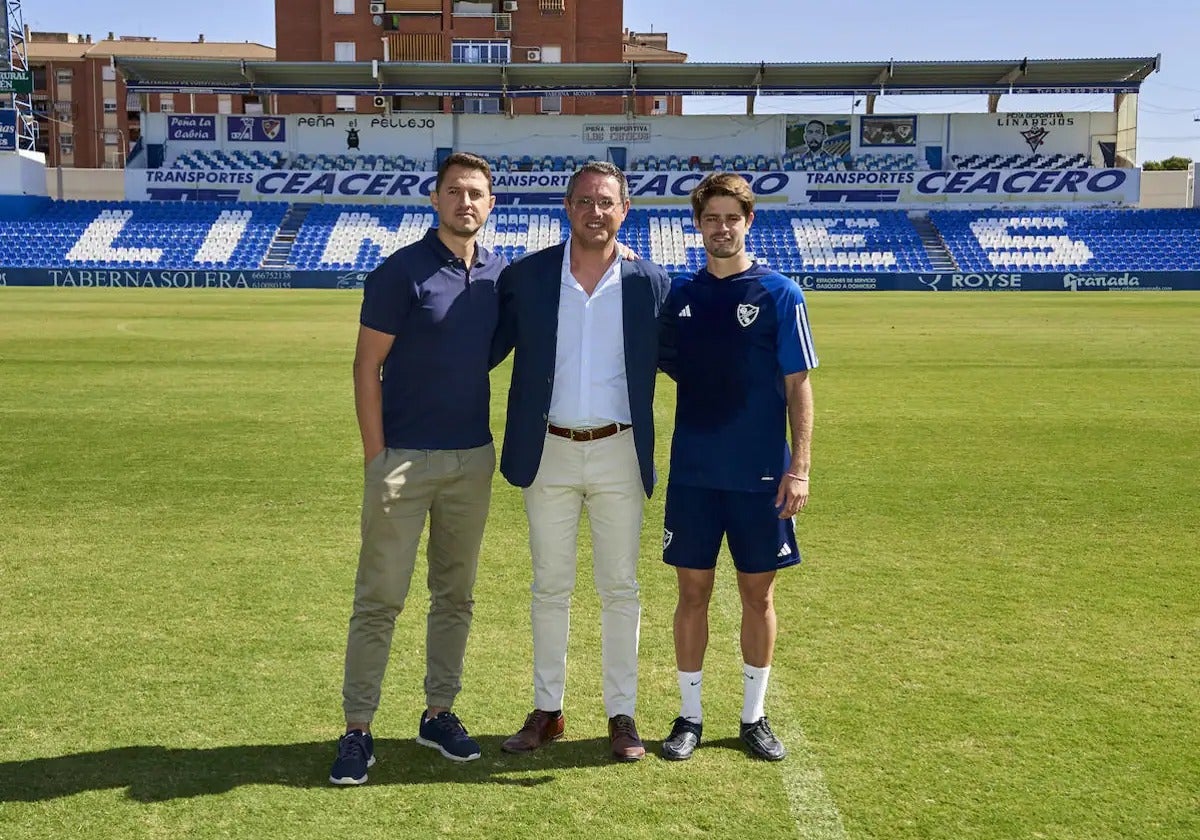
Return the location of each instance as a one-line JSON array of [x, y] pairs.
[[1026, 133], [816, 137], [887, 132], [1034, 281]]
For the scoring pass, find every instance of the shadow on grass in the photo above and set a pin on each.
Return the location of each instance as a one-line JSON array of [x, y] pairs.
[[158, 773]]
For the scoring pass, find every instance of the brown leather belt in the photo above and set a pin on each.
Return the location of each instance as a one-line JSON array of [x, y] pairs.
[[597, 433]]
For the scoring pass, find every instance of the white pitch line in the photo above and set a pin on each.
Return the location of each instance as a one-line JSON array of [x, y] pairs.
[[812, 806]]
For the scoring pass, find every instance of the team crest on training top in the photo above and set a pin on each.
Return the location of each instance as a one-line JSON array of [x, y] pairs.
[[1035, 137], [746, 314]]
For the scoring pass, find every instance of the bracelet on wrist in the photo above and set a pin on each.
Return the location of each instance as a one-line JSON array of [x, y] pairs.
[[797, 477]]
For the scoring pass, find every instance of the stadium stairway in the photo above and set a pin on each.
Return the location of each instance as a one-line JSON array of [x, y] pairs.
[[940, 257], [279, 252]]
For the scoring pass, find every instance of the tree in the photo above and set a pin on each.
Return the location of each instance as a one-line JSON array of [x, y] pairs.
[[1172, 164]]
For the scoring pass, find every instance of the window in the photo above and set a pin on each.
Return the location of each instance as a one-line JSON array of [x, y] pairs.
[[476, 105], [252, 105], [64, 76], [344, 51], [551, 54], [166, 104], [66, 144], [133, 102], [659, 107], [343, 7], [111, 138], [550, 105], [224, 103], [480, 52], [110, 106], [345, 103], [39, 76], [108, 73]]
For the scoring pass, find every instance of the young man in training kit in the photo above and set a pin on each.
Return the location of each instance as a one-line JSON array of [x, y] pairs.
[[736, 340]]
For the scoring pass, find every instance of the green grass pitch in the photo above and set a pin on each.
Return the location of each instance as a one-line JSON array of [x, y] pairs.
[[995, 632]]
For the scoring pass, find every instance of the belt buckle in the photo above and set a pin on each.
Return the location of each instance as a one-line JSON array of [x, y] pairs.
[[578, 435]]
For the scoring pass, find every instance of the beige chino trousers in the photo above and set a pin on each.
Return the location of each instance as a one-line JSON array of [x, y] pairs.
[[602, 476], [401, 488]]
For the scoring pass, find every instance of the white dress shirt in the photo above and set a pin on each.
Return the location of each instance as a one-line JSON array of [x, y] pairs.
[[590, 386]]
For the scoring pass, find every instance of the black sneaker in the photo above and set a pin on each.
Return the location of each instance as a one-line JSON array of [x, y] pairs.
[[356, 752], [446, 734], [761, 741], [683, 740]]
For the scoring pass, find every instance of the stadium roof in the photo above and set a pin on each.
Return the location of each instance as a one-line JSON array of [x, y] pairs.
[[1077, 75]]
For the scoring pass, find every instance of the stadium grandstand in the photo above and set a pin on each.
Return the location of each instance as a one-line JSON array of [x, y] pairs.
[[856, 202]]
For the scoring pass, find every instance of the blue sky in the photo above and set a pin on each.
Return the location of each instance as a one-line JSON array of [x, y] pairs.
[[797, 30]]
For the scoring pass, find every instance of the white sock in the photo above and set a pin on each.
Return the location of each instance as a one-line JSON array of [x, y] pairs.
[[754, 692], [689, 690]]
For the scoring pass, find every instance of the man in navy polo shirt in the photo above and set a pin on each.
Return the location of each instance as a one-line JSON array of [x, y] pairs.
[[422, 397], [735, 338]]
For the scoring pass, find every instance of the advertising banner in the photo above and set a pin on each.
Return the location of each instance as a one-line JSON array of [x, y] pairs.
[[1128, 281], [892, 189], [366, 134], [239, 129], [1027, 133], [8, 130], [192, 127]]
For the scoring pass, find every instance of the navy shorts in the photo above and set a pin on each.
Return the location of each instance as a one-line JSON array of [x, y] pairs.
[[698, 517]]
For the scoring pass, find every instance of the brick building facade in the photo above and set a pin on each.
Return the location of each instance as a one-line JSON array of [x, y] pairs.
[[496, 31], [87, 119]]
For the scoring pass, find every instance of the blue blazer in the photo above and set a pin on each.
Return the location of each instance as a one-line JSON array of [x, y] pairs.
[[529, 292]]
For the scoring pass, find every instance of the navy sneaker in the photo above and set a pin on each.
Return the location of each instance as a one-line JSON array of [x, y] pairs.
[[356, 752], [446, 734], [761, 741], [683, 740]]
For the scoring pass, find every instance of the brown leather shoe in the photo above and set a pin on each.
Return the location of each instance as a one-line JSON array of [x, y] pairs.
[[623, 734], [540, 728]]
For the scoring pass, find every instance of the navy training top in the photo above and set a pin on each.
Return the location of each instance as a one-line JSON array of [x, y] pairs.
[[728, 342], [436, 393]]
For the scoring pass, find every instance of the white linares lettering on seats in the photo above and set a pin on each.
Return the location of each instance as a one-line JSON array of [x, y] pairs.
[[837, 242], [1035, 249], [352, 229], [224, 236], [96, 243]]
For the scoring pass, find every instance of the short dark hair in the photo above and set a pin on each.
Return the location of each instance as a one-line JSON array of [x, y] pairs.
[[467, 161], [722, 184], [600, 167]]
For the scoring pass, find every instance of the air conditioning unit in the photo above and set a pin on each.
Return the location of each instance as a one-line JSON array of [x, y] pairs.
[[378, 8], [504, 23], [533, 55], [510, 5], [380, 101]]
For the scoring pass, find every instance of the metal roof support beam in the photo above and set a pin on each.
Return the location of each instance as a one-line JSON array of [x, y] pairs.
[[750, 104], [1007, 79], [885, 75], [631, 100], [870, 103]]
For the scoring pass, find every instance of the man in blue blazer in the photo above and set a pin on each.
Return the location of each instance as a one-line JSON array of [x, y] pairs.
[[580, 433]]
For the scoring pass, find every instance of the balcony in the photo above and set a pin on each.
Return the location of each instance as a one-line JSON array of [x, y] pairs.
[[417, 46]]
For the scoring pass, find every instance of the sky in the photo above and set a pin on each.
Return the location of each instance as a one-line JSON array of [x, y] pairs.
[[800, 30]]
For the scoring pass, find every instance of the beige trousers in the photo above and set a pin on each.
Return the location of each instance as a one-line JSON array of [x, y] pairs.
[[400, 489], [602, 476]]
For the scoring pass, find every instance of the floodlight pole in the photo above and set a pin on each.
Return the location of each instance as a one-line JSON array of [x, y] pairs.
[[12, 28]]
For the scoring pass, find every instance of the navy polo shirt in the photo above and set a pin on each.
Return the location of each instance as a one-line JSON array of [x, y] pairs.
[[436, 393]]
